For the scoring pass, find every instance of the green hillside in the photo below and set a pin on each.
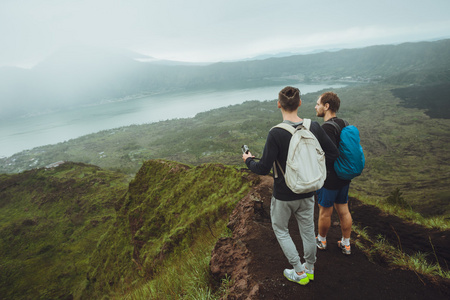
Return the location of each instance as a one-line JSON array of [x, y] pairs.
[[433, 98], [82, 232], [50, 222]]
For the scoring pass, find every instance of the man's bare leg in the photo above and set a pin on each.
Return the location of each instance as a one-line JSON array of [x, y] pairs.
[[345, 219], [324, 220]]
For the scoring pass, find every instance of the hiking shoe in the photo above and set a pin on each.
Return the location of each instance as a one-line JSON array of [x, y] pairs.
[[321, 245], [309, 273], [291, 275], [345, 249]]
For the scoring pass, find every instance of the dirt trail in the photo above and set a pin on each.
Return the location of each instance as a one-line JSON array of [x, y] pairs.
[[255, 261]]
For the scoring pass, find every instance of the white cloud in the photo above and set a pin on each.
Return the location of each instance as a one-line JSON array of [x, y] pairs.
[[205, 30]]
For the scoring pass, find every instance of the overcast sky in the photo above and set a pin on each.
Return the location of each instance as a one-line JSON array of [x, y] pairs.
[[213, 30]]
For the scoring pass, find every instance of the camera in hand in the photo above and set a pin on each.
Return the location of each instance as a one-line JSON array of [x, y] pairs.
[[245, 149]]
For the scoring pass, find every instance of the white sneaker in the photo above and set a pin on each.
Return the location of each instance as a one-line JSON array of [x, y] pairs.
[[309, 273], [291, 275]]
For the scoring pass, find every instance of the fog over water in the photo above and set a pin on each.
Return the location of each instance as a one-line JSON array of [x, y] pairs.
[[29, 132]]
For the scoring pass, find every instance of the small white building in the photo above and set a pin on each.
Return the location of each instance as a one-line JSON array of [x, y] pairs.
[[55, 164]]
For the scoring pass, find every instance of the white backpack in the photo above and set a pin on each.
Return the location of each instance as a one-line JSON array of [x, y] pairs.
[[305, 165]]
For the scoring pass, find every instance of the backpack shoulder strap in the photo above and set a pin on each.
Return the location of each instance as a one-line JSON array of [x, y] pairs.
[[286, 127], [307, 123], [336, 125], [291, 129]]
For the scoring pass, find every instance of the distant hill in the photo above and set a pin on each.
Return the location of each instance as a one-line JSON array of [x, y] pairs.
[[434, 98], [85, 76]]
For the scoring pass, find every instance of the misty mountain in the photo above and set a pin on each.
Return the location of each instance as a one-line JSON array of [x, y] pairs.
[[80, 75], [286, 54], [83, 76], [69, 77]]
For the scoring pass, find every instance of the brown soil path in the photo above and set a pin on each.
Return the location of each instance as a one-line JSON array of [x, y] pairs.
[[255, 261]]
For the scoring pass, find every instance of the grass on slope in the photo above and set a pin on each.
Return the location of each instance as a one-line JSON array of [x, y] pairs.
[[50, 220], [380, 248], [169, 210]]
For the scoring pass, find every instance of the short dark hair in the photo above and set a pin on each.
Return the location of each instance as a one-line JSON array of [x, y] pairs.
[[332, 99], [289, 98]]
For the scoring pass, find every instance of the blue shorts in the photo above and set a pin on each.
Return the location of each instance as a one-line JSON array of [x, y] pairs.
[[327, 198]]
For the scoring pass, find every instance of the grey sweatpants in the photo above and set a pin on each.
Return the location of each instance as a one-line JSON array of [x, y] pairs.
[[303, 210]]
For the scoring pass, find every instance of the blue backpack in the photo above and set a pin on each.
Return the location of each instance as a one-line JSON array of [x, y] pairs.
[[351, 160]]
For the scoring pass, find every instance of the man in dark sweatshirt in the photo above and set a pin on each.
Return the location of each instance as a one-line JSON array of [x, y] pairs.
[[285, 202], [334, 192]]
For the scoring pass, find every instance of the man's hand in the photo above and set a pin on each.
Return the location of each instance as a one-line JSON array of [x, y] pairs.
[[247, 155]]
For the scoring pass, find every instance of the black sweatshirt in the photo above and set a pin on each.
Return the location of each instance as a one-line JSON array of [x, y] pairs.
[[333, 182], [276, 148]]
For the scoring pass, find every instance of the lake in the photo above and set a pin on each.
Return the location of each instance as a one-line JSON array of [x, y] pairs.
[[30, 132]]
